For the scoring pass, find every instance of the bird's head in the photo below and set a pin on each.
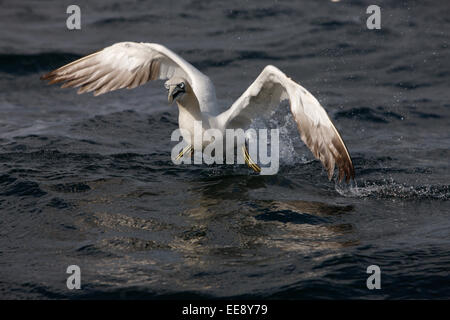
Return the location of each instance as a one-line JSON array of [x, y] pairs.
[[176, 87]]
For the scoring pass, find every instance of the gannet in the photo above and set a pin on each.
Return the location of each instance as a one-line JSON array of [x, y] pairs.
[[131, 64]]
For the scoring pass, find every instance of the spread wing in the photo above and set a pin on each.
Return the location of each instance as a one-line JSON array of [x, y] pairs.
[[316, 129], [128, 65]]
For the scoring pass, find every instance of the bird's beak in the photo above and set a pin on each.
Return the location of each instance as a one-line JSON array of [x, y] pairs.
[[174, 91], [170, 96]]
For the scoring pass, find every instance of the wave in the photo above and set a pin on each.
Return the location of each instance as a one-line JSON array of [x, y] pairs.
[[11, 186], [378, 115], [258, 13], [23, 64]]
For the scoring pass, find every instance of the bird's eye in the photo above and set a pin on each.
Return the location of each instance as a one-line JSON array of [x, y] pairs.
[[181, 85]]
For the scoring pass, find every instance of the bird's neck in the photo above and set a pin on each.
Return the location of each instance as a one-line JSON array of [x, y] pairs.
[[189, 118], [188, 106]]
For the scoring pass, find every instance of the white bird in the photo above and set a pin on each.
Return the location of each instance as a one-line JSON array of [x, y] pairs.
[[130, 64]]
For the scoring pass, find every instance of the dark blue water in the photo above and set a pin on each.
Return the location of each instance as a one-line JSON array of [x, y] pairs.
[[89, 181]]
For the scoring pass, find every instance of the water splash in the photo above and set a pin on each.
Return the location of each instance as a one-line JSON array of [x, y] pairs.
[[390, 189]]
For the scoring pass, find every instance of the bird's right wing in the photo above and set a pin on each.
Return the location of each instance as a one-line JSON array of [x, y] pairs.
[[316, 129], [128, 65]]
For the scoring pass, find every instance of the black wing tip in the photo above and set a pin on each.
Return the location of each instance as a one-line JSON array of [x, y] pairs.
[[50, 76], [346, 171], [47, 76], [349, 173]]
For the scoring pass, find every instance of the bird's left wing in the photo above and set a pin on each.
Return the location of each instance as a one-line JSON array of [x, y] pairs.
[[316, 129], [128, 65]]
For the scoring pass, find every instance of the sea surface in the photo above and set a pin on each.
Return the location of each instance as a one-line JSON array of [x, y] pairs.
[[89, 181]]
